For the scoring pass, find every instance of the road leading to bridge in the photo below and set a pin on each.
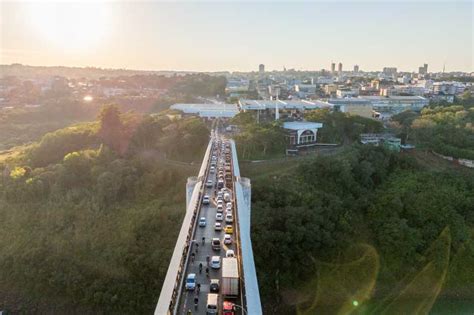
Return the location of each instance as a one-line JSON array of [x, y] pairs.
[[193, 248]]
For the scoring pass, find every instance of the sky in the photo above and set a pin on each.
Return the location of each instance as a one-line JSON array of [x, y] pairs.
[[238, 36]]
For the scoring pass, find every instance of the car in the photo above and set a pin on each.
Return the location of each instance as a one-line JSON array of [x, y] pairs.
[[220, 195], [202, 222], [220, 184], [227, 239], [220, 202], [217, 226], [228, 206], [226, 196], [215, 262], [216, 244], [191, 281], [229, 253], [228, 308], [214, 285], [209, 184], [229, 229], [219, 208], [205, 200], [229, 218], [213, 169], [219, 216]]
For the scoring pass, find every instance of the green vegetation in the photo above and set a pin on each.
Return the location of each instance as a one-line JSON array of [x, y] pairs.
[[341, 127], [447, 130], [90, 214], [305, 224], [201, 85], [256, 141], [23, 125]]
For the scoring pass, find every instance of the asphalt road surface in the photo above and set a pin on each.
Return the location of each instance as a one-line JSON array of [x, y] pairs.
[[201, 252]]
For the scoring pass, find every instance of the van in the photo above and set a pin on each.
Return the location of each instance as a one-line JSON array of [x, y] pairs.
[[212, 306]]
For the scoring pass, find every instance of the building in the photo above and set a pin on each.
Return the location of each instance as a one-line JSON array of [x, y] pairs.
[[305, 90], [389, 71], [333, 68], [339, 68], [387, 140], [330, 89], [347, 92], [423, 70], [356, 68], [353, 106], [261, 68], [324, 80], [375, 84], [445, 87], [279, 109], [215, 110], [397, 104], [301, 135]]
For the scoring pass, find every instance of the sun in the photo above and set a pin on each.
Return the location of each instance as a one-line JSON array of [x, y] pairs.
[[71, 26]]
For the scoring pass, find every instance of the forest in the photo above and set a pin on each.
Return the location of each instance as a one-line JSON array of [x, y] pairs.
[[266, 139], [444, 128], [90, 214], [365, 212]]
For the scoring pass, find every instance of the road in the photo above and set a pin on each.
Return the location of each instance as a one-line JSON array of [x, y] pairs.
[[202, 251]]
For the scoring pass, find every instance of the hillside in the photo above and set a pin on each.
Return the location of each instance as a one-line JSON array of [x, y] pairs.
[[362, 225], [90, 214]]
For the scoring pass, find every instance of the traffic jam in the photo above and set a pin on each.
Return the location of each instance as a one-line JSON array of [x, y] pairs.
[[212, 281]]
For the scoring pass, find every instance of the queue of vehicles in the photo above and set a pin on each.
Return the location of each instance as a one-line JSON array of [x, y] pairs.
[[228, 286]]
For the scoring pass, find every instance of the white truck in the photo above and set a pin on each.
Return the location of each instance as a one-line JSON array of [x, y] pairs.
[[230, 277]]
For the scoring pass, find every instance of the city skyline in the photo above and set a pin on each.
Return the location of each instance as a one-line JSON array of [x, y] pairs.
[[209, 37]]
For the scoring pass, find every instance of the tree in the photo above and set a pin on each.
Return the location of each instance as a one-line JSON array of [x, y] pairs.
[[111, 127]]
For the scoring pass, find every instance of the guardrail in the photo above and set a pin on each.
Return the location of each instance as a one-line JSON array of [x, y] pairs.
[[251, 292], [169, 298]]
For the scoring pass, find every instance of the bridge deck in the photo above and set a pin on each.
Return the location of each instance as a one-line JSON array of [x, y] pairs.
[[182, 300]]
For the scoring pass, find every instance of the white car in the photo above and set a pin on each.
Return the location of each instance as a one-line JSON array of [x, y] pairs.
[[219, 208], [229, 253], [209, 184], [191, 281], [215, 262], [218, 226], [213, 169], [219, 217], [205, 200], [229, 218], [227, 239], [202, 222]]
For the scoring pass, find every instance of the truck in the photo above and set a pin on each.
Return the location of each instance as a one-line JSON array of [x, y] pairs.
[[230, 277]]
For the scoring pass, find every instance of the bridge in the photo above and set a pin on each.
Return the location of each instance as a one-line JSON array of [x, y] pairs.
[[212, 268]]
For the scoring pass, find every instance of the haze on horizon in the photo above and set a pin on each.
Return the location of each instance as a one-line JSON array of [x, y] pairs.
[[239, 36]]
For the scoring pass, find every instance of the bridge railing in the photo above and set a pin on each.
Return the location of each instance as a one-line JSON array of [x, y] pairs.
[[173, 284], [250, 291]]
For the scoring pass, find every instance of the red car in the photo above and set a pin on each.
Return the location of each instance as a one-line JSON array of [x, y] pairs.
[[228, 308]]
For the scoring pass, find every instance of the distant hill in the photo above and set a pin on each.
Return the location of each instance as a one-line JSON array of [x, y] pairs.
[[20, 70]]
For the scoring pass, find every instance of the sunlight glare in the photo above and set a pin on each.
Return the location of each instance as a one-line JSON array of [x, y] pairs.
[[70, 26]]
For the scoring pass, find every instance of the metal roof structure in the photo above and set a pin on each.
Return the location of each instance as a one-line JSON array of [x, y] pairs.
[[299, 125], [221, 110], [282, 104]]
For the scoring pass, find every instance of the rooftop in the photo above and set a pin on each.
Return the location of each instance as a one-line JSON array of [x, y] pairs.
[[208, 110], [299, 125], [282, 104]]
